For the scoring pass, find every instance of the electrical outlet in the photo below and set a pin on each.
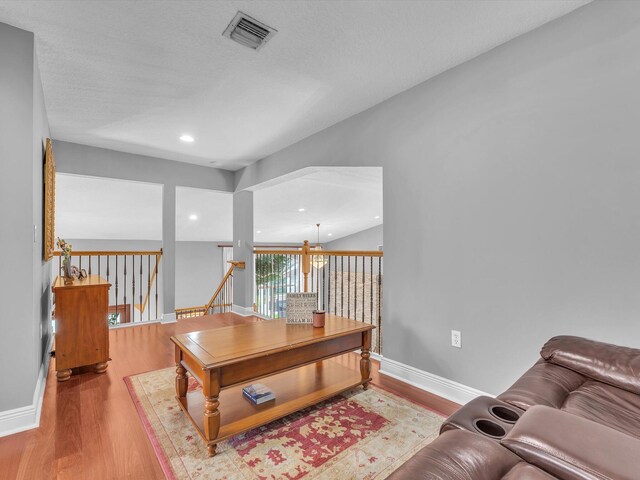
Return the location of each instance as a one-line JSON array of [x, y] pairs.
[[456, 339]]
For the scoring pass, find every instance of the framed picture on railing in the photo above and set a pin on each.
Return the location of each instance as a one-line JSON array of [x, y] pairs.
[[300, 307]]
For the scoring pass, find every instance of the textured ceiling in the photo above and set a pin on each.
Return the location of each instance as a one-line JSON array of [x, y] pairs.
[[135, 75], [344, 200]]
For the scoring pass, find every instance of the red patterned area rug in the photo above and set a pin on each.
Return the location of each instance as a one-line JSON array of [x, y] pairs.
[[357, 435]]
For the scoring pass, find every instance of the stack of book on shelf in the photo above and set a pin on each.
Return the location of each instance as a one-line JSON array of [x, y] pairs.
[[258, 393]]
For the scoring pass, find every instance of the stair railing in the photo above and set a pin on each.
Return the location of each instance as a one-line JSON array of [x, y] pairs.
[[222, 299], [348, 282], [134, 275]]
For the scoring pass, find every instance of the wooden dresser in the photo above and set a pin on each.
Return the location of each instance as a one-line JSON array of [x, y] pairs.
[[82, 330]]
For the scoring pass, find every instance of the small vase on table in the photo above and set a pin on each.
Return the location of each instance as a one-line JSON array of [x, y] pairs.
[[66, 271], [318, 318]]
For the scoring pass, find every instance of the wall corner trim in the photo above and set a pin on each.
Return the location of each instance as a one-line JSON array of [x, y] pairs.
[[28, 417], [244, 311], [443, 387], [168, 318]]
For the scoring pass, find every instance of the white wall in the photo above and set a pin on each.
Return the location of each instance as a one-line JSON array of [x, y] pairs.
[[511, 197]]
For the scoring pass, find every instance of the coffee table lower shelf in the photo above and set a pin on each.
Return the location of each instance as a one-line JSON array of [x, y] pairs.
[[294, 390]]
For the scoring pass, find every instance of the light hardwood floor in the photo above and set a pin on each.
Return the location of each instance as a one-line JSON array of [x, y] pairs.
[[89, 427]]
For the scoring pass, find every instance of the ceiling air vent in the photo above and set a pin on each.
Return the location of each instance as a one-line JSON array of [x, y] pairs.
[[249, 32]]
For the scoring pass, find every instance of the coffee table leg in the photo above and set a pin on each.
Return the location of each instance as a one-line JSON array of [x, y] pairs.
[[211, 391], [181, 381], [365, 363], [211, 449]]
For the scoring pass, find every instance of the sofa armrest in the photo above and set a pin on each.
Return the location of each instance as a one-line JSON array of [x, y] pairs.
[[611, 364], [455, 455], [572, 447]]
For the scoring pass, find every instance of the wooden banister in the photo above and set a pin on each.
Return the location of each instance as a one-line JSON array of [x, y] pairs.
[[325, 253], [234, 264], [105, 253], [306, 264], [346, 253]]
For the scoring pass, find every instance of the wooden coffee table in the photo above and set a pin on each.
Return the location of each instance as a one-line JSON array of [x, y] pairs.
[[294, 361]]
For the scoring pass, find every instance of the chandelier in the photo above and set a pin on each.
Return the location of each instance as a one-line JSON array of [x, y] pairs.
[[318, 260]]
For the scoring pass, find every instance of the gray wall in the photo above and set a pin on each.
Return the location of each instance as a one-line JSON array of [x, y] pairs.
[[243, 279], [109, 245], [368, 239], [99, 162], [169, 248], [511, 197], [41, 269], [198, 272], [24, 286], [198, 266]]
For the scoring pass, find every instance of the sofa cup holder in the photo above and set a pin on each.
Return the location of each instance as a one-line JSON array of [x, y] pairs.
[[489, 428], [505, 414]]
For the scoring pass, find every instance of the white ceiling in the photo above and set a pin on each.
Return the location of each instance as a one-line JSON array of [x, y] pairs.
[[213, 209], [102, 208], [344, 200], [135, 75]]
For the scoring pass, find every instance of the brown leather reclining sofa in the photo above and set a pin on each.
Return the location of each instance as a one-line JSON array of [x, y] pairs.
[[574, 415]]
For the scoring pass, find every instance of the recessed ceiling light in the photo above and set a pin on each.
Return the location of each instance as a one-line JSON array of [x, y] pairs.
[[377, 217], [330, 234], [301, 209], [186, 138], [259, 231], [193, 216]]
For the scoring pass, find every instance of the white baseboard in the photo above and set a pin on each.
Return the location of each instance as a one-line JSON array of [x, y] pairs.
[[376, 356], [443, 387], [26, 418], [169, 318], [135, 324], [243, 311]]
